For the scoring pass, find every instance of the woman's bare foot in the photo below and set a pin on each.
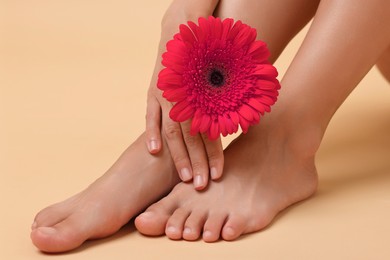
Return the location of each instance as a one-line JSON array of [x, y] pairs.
[[135, 181], [266, 171]]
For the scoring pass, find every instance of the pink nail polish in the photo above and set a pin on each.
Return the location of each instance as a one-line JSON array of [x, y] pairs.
[[185, 174], [198, 182], [213, 173], [153, 145]]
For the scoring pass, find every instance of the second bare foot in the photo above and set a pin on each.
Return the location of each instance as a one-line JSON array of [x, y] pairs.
[[135, 181], [265, 172]]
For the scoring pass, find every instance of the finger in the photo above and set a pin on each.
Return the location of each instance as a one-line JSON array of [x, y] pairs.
[[215, 156], [198, 156], [153, 122], [174, 138]]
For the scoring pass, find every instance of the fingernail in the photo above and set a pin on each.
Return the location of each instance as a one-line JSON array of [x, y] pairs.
[[185, 174], [153, 145], [198, 182], [213, 173]]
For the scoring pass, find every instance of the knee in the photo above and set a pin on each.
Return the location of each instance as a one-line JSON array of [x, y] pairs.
[[383, 64]]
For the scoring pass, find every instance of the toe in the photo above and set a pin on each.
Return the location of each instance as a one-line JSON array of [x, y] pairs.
[[64, 236], [154, 220], [175, 224], [234, 227], [213, 226], [50, 216], [151, 223], [194, 225]]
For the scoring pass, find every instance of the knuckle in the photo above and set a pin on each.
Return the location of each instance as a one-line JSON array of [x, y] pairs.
[[199, 167], [172, 131], [215, 156], [150, 116], [214, 151], [179, 160], [150, 95], [191, 141]]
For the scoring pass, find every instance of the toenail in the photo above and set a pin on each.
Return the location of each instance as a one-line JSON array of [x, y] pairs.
[[207, 234], [187, 230], [198, 182], [185, 174], [229, 231], [47, 230], [34, 225], [171, 230], [147, 214]]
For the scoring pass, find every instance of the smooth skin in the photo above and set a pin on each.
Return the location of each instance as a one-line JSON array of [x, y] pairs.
[[272, 167], [266, 170], [196, 157], [134, 181]]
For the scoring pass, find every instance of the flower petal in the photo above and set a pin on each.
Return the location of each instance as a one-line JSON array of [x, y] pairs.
[[267, 100], [226, 26], [214, 130], [195, 124], [199, 49], [205, 123], [244, 124], [246, 112], [216, 27], [259, 51], [222, 125], [181, 111], [234, 31], [265, 70], [172, 63], [175, 94], [204, 29], [187, 34], [177, 47], [170, 77], [195, 28], [267, 84], [235, 117], [254, 103], [231, 127], [256, 118], [244, 37]]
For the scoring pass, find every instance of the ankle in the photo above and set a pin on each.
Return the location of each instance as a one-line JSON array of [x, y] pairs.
[[298, 136]]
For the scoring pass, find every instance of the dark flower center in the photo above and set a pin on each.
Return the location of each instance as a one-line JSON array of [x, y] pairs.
[[216, 78]]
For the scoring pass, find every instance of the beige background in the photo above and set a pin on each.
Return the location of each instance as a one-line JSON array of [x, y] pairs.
[[73, 80]]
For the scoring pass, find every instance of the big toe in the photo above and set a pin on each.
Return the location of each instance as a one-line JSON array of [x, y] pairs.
[[50, 216], [152, 223], [64, 236]]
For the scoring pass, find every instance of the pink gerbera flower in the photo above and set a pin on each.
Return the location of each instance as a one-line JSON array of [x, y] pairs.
[[219, 76]]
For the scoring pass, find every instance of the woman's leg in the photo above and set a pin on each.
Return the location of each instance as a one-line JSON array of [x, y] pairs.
[[383, 64], [272, 166], [277, 23], [135, 181]]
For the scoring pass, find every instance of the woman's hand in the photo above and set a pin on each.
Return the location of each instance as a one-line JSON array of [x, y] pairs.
[[195, 157]]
